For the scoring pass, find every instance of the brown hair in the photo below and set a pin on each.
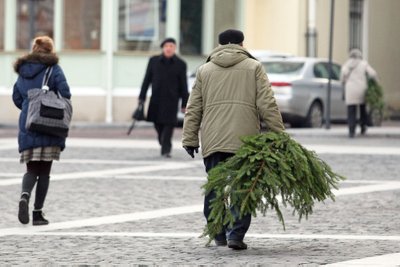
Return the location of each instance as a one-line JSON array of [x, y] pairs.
[[43, 44]]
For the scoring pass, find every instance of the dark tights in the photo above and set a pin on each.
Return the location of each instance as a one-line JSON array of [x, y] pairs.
[[37, 171]]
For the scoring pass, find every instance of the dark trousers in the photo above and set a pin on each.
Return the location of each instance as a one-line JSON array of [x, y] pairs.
[[352, 118], [240, 227], [164, 133], [37, 172]]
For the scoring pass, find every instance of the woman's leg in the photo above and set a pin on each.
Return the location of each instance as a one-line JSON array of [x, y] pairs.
[[352, 119], [363, 118], [30, 178], [41, 192], [42, 184], [28, 182]]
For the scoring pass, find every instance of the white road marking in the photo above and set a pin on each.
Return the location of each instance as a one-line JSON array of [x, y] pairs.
[[188, 234], [107, 173], [160, 213], [368, 181], [159, 177], [96, 161], [11, 143], [367, 189], [112, 219], [387, 260], [359, 150]]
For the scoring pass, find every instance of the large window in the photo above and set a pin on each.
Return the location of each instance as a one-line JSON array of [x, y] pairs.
[[141, 24], [191, 21], [356, 10], [82, 24], [1, 24], [34, 18]]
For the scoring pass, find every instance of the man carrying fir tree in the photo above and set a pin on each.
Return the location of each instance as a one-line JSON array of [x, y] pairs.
[[230, 95]]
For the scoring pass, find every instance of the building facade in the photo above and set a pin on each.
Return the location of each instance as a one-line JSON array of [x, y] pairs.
[[104, 45]]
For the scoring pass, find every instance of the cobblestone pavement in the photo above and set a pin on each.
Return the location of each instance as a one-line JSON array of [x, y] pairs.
[[114, 201]]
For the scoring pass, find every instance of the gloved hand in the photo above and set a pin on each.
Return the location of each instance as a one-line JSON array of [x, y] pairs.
[[191, 149]]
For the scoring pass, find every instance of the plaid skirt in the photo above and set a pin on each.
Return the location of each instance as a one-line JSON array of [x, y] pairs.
[[48, 153]]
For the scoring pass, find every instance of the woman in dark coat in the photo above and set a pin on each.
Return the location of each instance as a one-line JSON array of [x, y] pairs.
[[37, 150], [167, 75]]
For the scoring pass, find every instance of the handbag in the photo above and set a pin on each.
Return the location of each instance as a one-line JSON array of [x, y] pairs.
[[48, 112], [137, 115]]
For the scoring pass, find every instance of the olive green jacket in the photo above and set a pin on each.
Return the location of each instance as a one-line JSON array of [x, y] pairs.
[[230, 95]]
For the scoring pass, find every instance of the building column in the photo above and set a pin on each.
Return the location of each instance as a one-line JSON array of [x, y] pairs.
[[208, 26], [10, 25], [173, 20], [58, 24], [108, 23], [365, 28], [240, 14], [311, 34]]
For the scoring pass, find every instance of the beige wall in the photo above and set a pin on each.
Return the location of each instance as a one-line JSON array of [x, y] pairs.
[[383, 48], [340, 33], [225, 17], [271, 25]]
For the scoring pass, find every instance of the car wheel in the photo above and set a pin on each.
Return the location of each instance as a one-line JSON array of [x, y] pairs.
[[315, 116]]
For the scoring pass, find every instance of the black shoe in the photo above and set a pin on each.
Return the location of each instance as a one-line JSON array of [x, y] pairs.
[[363, 129], [351, 135], [236, 245], [166, 155], [38, 219], [23, 212], [220, 243]]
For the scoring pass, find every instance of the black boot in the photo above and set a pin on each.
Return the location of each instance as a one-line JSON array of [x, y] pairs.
[[23, 212], [28, 182], [237, 245], [363, 129], [38, 219]]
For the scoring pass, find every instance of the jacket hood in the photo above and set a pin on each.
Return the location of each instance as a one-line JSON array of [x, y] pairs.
[[228, 55], [30, 65]]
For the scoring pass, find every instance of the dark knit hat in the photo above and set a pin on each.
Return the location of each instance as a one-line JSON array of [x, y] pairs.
[[167, 40], [230, 37]]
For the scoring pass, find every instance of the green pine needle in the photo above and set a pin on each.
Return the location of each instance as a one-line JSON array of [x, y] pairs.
[[374, 95], [268, 171]]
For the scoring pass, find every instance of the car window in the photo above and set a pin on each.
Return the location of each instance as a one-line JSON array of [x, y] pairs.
[[336, 72], [292, 68], [321, 71]]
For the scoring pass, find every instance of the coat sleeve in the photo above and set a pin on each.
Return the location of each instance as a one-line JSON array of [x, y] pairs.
[[17, 97], [343, 74], [193, 115], [371, 72], [266, 103], [183, 88], [146, 81]]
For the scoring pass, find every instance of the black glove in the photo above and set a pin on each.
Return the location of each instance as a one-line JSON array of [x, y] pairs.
[[191, 149], [138, 114]]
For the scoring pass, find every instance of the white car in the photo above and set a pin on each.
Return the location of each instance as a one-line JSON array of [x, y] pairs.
[[300, 85]]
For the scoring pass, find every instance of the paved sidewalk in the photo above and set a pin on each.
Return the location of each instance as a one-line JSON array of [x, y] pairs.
[[113, 200], [144, 130]]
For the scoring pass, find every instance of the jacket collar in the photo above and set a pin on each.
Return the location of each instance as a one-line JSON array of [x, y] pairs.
[[42, 58]]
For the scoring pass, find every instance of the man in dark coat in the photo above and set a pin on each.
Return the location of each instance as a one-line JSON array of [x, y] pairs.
[[167, 75]]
